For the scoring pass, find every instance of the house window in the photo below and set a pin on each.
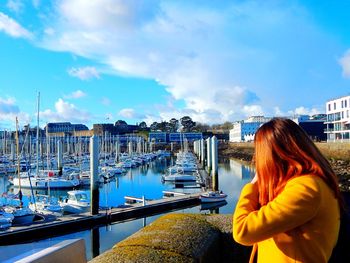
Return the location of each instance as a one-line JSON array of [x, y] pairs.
[[329, 107], [342, 114], [342, 104], [335, 106], [345, 103]]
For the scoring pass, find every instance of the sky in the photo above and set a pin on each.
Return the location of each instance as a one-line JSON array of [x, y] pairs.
[[99, 61]]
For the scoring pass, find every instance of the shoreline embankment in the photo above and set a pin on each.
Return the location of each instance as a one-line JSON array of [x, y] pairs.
[[338, 154]]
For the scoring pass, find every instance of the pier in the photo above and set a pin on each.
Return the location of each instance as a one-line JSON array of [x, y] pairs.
[[134, 207], [76, 222]]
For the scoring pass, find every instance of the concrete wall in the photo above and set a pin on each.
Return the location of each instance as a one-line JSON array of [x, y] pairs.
[[180, 238]]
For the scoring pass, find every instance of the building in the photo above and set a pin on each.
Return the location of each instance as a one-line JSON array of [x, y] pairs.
[[58, 127], [163, 137], [182, 136], [314, 126], [244, 131], [338, 119], [157, 137], [103, 128]]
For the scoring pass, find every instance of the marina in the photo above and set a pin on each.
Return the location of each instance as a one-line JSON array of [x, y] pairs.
[[142, 181]]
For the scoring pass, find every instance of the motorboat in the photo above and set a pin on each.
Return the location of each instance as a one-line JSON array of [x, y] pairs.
[[78, 201], [180, 177], [213, 196]]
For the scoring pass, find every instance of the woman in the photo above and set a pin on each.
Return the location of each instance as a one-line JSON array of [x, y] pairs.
[[290, 211]]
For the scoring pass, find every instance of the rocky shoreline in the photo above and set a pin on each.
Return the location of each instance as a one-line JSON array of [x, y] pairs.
[[245, 153]]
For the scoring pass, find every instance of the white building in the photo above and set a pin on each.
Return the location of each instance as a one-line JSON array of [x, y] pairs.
[[338, 119], [244, 131]]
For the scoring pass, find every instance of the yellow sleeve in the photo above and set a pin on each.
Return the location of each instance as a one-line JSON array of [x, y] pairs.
[[293, 207]]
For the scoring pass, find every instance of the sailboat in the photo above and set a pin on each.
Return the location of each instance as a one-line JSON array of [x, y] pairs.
[[46, 204], [43, 178], [14, 206]]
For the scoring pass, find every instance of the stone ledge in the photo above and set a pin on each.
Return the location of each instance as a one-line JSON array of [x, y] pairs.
[[180, 238]]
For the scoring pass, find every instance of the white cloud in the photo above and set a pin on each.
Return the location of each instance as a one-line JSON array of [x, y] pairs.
[[297, 111], [15, 5], [217, 60], [9, 110], [305, 111], [12, 28], [345, 64], [76, 95], [8, 106], [49, 31], [65, 111], [84, 73], [127, 113]]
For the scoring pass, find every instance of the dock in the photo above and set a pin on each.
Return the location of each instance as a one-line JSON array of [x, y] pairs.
[[134, 208], [77, 222]]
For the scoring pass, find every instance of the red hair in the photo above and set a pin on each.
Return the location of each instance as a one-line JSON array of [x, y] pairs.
[[283, 151]]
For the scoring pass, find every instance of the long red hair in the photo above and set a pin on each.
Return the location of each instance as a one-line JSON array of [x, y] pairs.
[[283, 151]]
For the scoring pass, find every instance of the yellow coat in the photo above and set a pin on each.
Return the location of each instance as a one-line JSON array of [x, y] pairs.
[[300, 225]]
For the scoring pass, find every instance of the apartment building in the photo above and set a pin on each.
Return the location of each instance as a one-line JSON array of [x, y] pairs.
[[338, 119], [244, 131]]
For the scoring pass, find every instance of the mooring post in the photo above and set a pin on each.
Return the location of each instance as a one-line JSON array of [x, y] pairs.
[[94, 175], [59, 157], [130, 148], [199, 151], [13, 153], [143, 201], [95, 241], [209, 155], [202, 152], [214, 148], [117, 151]]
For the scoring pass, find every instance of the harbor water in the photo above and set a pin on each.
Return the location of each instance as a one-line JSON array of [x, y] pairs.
[[140, 181]]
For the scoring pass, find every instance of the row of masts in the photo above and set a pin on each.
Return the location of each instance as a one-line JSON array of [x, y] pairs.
[[73, 146]]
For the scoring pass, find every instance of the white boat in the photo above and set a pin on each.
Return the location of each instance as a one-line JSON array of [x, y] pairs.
[[5, 220], [46, 179], [211, 197], [46, 205], [180, 177], [78, 201]]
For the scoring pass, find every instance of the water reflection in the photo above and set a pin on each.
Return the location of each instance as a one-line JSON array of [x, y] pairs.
[[145, 180]]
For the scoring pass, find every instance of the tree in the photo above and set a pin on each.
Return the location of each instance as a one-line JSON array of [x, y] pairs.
[[201, 127], [143, 125], [120, 122], [227, 126], [174, 124], [187, 124], [154, 126]]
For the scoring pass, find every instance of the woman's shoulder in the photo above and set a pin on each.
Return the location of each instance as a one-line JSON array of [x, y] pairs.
[[310, 179], [305, 182]]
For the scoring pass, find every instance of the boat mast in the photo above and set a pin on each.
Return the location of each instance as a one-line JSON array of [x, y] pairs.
[[48, 160], [18, 165], [37, 137]]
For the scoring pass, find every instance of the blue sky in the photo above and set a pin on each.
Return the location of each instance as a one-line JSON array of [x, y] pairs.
[[98, 61]]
